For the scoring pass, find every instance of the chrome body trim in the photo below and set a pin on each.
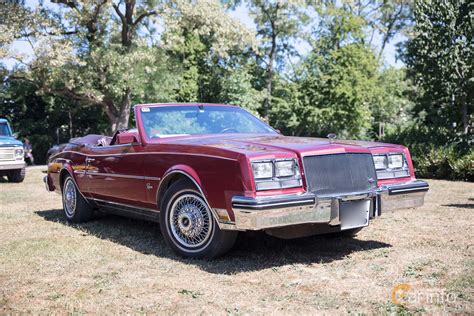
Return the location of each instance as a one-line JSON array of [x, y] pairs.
[[119, 175], [138, 153], [112, 204], [286, 210]]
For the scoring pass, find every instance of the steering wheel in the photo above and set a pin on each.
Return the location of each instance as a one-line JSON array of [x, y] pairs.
[[228, 129]]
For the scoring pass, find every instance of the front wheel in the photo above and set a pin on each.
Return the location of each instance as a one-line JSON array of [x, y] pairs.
[[188, 226], [75, 206], [17, 175]]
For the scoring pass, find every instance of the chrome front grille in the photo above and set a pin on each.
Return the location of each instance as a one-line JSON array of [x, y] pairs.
[[340, 173], [7, 154]]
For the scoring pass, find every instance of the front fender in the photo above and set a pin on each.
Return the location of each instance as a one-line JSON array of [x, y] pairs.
[[183, 170]]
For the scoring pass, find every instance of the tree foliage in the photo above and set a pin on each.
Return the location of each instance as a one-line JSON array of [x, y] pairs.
[[440, 58]]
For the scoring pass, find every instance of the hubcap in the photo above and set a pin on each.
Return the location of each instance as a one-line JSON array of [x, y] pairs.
[[190, 221], [69, 196]]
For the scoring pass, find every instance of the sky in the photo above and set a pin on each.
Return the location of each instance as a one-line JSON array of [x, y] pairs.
[[241, 13]]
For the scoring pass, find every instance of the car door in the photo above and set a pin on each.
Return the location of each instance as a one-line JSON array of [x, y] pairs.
[[115, 174]]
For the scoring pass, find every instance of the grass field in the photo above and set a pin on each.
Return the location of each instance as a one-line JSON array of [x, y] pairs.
[[117, 265]]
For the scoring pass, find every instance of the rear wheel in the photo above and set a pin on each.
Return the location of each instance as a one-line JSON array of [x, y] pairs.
[[17, 175], [188, 226], [75, 206]]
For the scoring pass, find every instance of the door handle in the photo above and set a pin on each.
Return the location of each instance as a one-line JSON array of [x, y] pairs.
[[89, 159]]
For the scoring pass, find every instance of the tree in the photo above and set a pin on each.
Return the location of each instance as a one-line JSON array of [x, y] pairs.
[[439, 56], [209, 45], [393, 105], [382, 17], [83, 49], [336, 89], [20, 103], [103, 52], [278, 22]]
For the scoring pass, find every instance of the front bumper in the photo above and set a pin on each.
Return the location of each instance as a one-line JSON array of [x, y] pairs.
[[307, 208], [12, 165]]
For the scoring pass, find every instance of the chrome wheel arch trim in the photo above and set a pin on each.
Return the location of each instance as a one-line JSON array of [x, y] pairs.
[[187, 175], [65, 169]]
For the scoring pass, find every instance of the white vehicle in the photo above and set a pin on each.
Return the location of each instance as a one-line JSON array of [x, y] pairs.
[[12, 161]]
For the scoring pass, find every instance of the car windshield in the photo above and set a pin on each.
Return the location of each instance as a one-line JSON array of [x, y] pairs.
[[162, 121], [4, 130]]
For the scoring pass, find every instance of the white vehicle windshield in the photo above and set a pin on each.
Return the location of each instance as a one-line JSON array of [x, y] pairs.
[[162, 121]]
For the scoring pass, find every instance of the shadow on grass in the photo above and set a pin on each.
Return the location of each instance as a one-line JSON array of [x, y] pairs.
[[253, 251], [460, 205]]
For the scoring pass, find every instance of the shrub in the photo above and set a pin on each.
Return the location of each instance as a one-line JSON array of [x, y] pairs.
[[443, 163]]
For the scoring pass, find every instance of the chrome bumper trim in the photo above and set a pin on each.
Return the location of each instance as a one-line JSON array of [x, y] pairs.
[[11, 165], [262, 203], [286, 210], [403, 188], [404, 195]]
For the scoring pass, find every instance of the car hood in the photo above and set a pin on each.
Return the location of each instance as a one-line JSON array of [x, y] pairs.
[[271, 144], [9, 141]]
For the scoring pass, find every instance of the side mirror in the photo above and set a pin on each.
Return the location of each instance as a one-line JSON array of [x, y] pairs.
[[126, 138], [15, 135]]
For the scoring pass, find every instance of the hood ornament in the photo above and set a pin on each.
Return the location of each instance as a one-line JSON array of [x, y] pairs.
[[332, 137]]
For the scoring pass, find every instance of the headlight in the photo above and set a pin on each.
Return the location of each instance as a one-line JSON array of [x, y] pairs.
[[19, 152], [395, 161], [391, 165], [262, 170], [380, 162], [285, 168], [276, 174]]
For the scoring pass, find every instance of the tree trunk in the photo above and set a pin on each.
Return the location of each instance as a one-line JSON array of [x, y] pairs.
[[271, 57], [123, 118], [465, 118]]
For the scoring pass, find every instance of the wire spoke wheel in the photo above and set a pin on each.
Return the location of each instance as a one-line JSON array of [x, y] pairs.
[[70, 198], [190, 221]]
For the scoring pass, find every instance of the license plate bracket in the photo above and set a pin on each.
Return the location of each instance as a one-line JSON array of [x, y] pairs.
[[354, 213]]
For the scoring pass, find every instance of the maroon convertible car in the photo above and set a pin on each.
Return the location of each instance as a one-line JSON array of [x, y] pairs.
[[207, 171]]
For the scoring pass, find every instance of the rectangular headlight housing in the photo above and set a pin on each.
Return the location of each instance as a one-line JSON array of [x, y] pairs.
[[276, 174], [285, 168], [262, 169], [380, 162], [395, 161], [391, 165]]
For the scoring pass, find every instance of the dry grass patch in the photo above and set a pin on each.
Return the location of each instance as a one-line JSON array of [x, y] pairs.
[[116, 265]]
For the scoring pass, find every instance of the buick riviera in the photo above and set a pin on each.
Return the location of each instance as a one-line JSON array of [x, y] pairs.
[[206, 172]]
